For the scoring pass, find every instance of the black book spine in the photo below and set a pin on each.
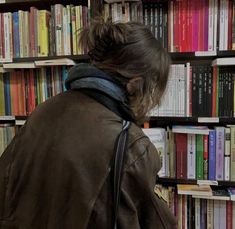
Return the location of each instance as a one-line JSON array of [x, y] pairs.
[[210, 90], [200, 91], [194, 91], [205, 92]]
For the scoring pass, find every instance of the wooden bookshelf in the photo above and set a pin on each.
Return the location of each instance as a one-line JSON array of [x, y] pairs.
[[174, 182], [191, 120], [177, 56], [84, 57], [15, 5]]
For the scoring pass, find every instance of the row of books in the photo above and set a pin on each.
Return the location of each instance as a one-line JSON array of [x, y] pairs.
[[119, 12], [183, 26], [215, 212], [41, 32], [7, 133], [195, 152], [201, 25], [23, 90], [198, 91], [155, 17]]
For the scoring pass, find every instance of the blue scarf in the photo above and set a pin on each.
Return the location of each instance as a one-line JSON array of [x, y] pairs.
[[101, 87]]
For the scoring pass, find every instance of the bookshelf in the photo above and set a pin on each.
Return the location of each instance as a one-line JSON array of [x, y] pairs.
[[173, 182], [196, 58]]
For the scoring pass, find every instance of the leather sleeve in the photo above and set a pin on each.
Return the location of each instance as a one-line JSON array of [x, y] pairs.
[[138, 192], [5, 168]]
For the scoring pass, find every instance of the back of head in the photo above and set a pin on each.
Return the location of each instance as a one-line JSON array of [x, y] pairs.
[[129, 51]]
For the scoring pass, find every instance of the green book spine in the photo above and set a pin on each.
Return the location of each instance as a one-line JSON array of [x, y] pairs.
[[199, 157]]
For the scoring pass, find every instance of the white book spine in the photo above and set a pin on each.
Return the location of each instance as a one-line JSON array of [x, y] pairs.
[[6, 36], [68, 9], [222, 214], [215, 23], [222, 25], [210, 220], [227, 154], [216, 214], [10, 36], [65, 31], [187, 89], [191, 156], [197, 213], [211, 25], [225, 24]]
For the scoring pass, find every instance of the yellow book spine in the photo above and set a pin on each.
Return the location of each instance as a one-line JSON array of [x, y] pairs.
[[43, 19], [78, 26]]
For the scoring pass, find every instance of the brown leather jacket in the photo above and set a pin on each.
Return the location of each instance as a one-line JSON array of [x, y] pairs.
[[55, 174]]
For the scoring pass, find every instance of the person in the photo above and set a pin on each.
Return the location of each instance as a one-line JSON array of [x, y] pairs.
[[57, 171]]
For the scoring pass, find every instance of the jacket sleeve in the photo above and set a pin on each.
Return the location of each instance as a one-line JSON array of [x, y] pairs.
[[138, 194], [5, 167]]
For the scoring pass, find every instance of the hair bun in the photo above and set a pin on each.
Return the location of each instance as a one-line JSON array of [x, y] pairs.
[[102, 37]]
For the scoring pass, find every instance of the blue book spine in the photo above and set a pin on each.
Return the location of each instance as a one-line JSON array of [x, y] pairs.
[[16, 34], [7, 94], [212, 156]]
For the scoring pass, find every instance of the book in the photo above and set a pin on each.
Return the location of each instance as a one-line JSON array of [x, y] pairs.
[[198, 190], [158, 137], [19, 65], [190, 130], [54, 62], [224, 61]]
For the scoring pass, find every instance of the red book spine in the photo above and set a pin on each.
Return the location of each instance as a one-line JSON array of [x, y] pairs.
[[200, 25], [180, 26], [229, 213], [230, 24], [181, 152], [22, 92], [184, 25], [205, 156], [32, 90]]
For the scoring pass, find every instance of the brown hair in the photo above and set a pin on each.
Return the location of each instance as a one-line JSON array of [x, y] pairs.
[[129, 50]]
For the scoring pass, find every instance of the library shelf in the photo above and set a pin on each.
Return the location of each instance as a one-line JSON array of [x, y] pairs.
[[83, 57], [192, 120], [13, 5], [173, 182]]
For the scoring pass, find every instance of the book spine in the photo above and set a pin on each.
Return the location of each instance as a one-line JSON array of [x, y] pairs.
[[229, 213], [210, 220], [197, 214], [220, 153], [212, 155], [199, 157], [205, 157], [227, 154], [232, 157], [181, 152], [191, 156]]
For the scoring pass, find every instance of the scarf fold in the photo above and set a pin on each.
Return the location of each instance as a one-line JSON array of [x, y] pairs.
[[101, 87]]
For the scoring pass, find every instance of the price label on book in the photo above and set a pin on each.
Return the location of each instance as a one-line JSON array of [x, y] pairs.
[[208, 120], [207, 182], [205, 53]]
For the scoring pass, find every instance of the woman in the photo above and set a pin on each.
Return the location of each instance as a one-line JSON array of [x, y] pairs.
[[57, 171]]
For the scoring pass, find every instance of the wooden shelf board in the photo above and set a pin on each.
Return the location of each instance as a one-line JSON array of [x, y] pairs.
[[174, 182]]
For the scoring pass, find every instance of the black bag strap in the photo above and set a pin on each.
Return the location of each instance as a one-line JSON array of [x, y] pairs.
[[118, 167]]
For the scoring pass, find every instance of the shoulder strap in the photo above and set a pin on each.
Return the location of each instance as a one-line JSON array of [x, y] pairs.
[[118, 166]]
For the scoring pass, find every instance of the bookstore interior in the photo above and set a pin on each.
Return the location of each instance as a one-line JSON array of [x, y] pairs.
[[193, 128]]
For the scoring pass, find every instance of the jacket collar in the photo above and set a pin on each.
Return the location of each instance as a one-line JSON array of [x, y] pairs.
[[101, 87]]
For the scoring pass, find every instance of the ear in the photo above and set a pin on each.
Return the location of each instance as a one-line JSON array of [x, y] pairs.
[[134, 84]]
